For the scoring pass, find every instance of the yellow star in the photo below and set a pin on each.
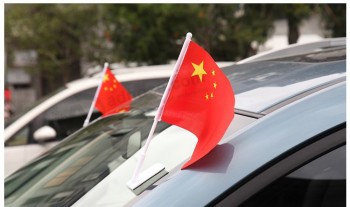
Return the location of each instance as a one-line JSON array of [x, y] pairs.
[[211, 95], [206, 96], [214, 84], [213, 72], [105, 78], [114, 86], [105, 88], [198, 70]]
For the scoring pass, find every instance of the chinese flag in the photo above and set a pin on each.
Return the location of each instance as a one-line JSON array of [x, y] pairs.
[[201, 100], [113, 97]]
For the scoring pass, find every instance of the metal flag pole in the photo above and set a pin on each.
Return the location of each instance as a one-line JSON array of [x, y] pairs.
[[134, 180], [87, 120]]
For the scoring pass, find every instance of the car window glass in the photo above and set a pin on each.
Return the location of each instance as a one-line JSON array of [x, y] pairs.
[[321, 182], [284, 78], [75, 105], [327, 55], [139, 87], [68, 116], [18, 115], [72, 168], [20, 138]]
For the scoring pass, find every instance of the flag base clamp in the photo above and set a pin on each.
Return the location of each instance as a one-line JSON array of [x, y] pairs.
[[147, 178]]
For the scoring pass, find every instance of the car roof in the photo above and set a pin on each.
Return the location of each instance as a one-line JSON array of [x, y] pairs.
[[246, 151], [133, 73], [264, 86], [297, 49]]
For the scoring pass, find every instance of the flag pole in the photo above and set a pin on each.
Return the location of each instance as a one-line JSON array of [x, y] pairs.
[[161, 107], [87, 120]]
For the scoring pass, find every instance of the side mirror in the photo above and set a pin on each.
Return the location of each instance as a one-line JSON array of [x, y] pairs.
[[44, 133]]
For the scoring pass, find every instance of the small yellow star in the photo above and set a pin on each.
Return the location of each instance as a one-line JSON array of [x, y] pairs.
[[206, 96], [198, 70], [114, 86], [211, 95], [215, 85], [111, 89], [106, 88], [213, 72]]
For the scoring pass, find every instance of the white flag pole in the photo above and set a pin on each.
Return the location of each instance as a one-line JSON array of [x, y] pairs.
[[161, 107], [87, 120]]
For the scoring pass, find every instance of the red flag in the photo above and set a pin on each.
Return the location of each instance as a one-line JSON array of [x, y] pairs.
[[201, 100], [113, 97]]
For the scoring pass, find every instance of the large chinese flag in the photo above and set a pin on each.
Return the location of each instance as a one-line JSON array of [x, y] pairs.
[[112, 97], [201, 100]]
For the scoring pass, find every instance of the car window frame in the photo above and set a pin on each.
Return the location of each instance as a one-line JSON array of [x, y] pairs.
[[281, 166]]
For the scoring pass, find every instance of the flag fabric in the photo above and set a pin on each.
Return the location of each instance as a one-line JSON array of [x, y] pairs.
[[112, 97], [201, 100]]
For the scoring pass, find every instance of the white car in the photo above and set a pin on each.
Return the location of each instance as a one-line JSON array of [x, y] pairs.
[[59, 115]]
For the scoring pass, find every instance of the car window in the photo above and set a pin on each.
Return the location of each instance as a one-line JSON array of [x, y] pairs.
[[321, 182], [284, 78], [65, 118], [72, 168], [68, 115], [327, 55], [139, 87], [20, 138]]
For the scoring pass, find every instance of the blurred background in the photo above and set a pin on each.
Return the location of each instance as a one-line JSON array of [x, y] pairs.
[[48, 45]]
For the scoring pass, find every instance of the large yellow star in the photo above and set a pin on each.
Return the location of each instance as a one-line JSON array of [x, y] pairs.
[[198, 70], [105, 78]]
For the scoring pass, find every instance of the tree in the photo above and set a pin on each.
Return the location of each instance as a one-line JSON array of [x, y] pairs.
[[235, 27], [334, 16], [295, 14], [56, 32], [65, 34], [153, 34], [149, 33]]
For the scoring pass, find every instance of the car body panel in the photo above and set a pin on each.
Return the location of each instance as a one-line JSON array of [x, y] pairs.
[[176, 143], [250, 149]]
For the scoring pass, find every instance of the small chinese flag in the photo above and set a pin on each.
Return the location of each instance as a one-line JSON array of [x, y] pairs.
[[201, 100], [113, 97]]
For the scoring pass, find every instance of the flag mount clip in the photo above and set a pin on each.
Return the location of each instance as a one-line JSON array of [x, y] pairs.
[[147, 178]]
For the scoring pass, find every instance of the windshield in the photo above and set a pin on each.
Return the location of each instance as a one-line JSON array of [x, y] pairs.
[[261, 85], [72, 168]]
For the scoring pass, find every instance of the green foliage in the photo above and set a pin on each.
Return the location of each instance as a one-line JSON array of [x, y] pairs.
[[65, 34], [55, 31], [153, 34], [334, 16], [148, 33]]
